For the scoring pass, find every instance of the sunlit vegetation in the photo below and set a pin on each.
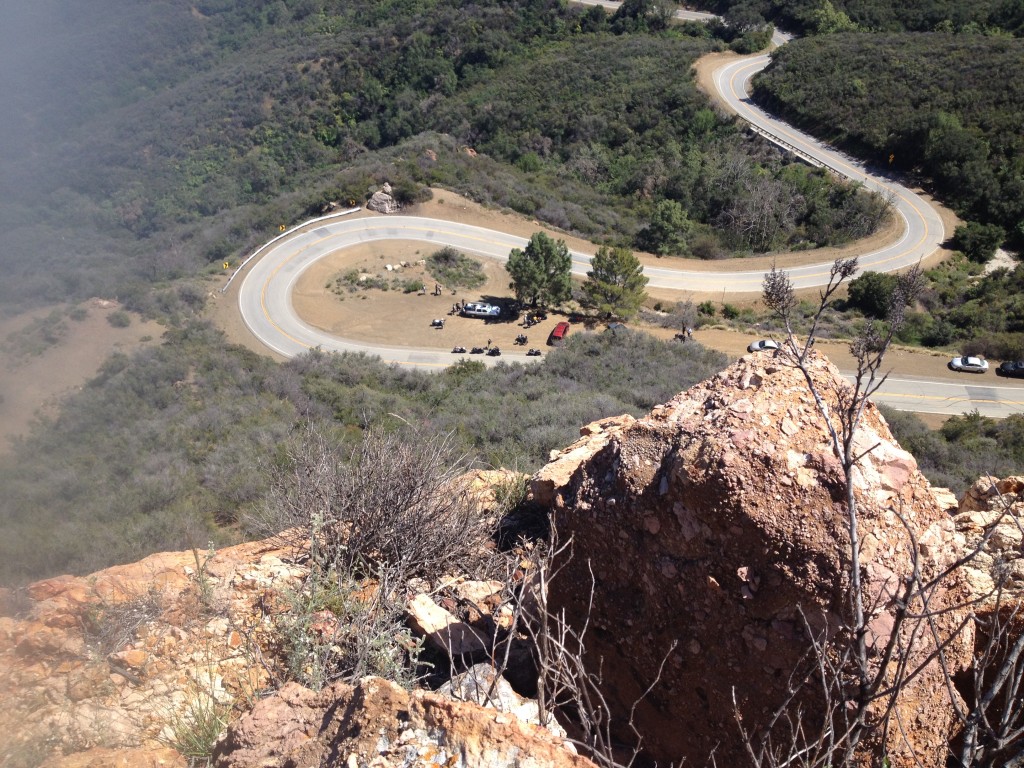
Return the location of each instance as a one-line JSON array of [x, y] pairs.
[[170, 447], [946, 106], [830, 16], [979, 315], [965, 447], [188, 141], [160, 159], [454, 269]]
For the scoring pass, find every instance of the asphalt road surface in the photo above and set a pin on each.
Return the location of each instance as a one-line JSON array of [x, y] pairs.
[[265, 293], [923, 229]]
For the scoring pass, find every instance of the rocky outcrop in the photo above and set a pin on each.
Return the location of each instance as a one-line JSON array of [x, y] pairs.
[[382, 201], [715, 536], [377, 723], [990, 519], [990, 522], [110, 662], [715, 531], [105, 670]]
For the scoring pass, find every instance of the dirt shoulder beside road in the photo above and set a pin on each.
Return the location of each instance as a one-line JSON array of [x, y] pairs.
[[395, 318]]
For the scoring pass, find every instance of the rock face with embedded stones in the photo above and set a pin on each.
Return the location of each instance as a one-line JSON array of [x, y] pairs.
[[377, 723], [990, 519], [990, 522], [112, 660], [714, 528]]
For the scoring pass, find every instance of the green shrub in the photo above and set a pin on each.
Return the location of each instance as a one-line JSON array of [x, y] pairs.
[[195, 728], [353, 280], [339, 628], [37, 336], [454, 269], [512, 491], [978, 242], [119, 319], [464, 369], [871, 292], [412, 286], [730, 312], [753, 41]]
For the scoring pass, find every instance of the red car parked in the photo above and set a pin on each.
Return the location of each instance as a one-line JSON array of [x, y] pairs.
[[559, 333]]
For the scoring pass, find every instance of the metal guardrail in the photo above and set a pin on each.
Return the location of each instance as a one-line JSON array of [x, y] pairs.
[[284, 234], [788, 147]]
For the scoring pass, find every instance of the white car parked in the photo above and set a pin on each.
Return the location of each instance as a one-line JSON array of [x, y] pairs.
[[764, 345], [968, 364], [479, 309]]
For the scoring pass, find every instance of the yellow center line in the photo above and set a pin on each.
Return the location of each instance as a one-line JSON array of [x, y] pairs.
[[850, 171]]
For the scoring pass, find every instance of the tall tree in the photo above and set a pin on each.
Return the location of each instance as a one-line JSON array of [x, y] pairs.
[[615, 284], [540, 273], [666, 234]]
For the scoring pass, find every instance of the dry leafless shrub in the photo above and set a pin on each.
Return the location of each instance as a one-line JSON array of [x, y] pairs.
[[856, 685], [109, 625], [396, 500], [370, 519]]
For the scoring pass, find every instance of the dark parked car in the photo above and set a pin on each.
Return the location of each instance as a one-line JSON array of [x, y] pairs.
[[1014, 369]]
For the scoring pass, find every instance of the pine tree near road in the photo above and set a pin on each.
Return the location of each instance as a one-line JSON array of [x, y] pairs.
[[540, 273], [615, 284]]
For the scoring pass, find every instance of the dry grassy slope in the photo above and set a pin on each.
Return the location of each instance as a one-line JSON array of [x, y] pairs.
[[36, 383]]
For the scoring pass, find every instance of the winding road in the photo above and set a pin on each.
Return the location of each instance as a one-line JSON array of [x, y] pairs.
[[266, 290]]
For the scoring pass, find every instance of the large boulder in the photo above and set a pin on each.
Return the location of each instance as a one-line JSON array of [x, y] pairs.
[[382, 201], [715, 534]]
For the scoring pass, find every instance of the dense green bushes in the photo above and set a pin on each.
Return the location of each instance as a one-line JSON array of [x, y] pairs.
[[168, 448], [454, 269], [236, 118], [194, 130], [948, 106], [827, 16], [634, 130], [978, 314], [965, 447]]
